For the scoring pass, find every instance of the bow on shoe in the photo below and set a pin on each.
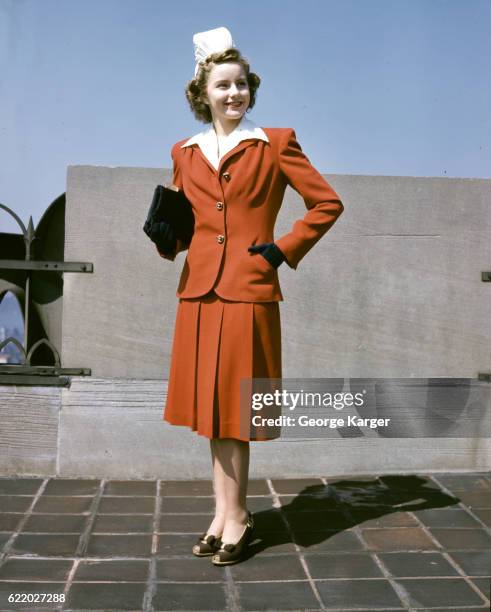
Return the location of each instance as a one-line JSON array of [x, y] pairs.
[[206, 545], [207, 539], [270, 252]]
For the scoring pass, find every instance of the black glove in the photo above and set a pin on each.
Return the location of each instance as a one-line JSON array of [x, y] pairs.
[[270, 252], [163, 236]]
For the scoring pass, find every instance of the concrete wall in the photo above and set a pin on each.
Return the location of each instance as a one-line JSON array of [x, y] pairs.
[[113, 428], [393, 290]]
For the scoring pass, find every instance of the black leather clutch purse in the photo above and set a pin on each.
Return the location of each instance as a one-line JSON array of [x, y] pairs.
[[170, 216]]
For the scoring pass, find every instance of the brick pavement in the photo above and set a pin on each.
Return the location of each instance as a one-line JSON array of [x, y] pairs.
[[403, 542]]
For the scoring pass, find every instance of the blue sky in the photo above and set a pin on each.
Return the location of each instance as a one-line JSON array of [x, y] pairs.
[[373, 87]]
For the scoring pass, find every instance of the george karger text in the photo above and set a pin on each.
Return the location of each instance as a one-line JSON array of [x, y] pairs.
[[330, 422]]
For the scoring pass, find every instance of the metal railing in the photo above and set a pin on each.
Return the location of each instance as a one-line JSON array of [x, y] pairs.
[[26, 373]]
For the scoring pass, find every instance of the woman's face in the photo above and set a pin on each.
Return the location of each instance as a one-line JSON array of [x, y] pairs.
[[227, 92]]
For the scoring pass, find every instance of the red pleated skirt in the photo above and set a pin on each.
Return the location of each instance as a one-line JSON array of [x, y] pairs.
[[217, 343]]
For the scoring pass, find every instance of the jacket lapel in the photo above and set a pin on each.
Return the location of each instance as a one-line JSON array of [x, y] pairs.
[[206, 140], [243, 144], [204, 158]]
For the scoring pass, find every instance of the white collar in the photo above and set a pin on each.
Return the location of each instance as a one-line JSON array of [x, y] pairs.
[[207, 139]]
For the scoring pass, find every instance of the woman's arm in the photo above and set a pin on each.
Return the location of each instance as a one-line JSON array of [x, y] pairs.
[[323, 203]]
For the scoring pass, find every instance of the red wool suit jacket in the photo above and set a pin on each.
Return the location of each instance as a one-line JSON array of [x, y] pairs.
[[236, 206]]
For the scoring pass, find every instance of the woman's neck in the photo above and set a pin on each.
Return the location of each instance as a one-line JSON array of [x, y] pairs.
[[224, 127]]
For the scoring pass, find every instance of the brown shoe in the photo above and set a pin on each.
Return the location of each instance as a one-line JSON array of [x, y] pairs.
[[228, 554], [206, 545]]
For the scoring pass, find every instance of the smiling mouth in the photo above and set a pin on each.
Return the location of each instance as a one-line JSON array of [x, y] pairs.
[[234, 104]]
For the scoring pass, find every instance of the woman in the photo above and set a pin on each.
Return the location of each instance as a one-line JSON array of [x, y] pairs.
[[228, 322]]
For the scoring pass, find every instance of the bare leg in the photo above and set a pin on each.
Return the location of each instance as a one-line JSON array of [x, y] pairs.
[[231, 469], [218, 522]]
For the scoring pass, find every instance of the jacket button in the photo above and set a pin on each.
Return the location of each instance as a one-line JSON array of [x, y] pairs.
[[226, 176], [220, 239], [219, 205]]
